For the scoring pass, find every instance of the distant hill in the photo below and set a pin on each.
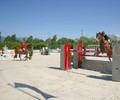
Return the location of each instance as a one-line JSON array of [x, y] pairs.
[[18, 38], [21, 38], [3, 38]]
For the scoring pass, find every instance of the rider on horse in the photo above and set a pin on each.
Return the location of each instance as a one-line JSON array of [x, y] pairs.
[[105, 45], [23, 46], [106, 37], [28, 50], [104, 40]]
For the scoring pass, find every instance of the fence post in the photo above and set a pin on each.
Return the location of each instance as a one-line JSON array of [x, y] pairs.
[[77, 57], [116, 62], [65, 57]]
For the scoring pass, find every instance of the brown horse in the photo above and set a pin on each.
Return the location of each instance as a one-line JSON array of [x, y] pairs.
[[105, 46], [20, 51]]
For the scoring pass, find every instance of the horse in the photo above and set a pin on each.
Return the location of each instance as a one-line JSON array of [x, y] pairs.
[[105, 45], [21, 51]]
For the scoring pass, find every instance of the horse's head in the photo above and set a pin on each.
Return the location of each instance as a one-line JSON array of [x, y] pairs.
[[99, 36], [29, 46]]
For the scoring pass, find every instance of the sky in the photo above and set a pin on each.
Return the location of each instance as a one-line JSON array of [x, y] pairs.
[[65, 18]]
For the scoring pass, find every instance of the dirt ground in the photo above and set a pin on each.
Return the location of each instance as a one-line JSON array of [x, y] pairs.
[[42, 79]]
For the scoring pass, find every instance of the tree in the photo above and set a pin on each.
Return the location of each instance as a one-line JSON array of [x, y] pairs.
[[64, 40], [48, 41], [86, 41], [54, 42], [39, 45], [11, 38], [36, 40], [29, 39], [93, 41], [113, 38]]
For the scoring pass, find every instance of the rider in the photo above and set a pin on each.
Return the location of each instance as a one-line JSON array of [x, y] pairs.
[[23, 45], [105, 36], [104, 40]]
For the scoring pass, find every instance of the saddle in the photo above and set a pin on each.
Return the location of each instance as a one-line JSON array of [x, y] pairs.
[[23, 50]]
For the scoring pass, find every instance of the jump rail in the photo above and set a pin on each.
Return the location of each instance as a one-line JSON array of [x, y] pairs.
[[78, 57]]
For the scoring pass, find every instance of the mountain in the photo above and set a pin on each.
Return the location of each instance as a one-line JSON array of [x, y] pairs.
[[3, 38], [18, 38], [21, 38]]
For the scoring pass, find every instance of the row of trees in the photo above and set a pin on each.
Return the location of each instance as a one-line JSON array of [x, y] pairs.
[[12, 42]]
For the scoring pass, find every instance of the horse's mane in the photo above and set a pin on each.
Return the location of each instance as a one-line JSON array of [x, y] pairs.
[[29, 45]]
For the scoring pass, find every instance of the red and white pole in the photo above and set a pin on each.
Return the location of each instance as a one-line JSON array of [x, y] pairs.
[[65, 57]]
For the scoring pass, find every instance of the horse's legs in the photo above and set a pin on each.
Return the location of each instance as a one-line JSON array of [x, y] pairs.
[[97, 53], [20, 56], [26, 56], [109, 59], [15, 56], [109, 54]]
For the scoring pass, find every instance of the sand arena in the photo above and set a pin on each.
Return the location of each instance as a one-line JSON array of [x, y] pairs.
[[42, 79]]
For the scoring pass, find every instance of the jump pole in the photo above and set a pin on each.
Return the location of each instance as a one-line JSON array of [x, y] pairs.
[[77, 57], [65, 59], [65, 56]]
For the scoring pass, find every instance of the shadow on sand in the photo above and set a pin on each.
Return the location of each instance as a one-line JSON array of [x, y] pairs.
[[19, 87], [103, 77], [56, 68]]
